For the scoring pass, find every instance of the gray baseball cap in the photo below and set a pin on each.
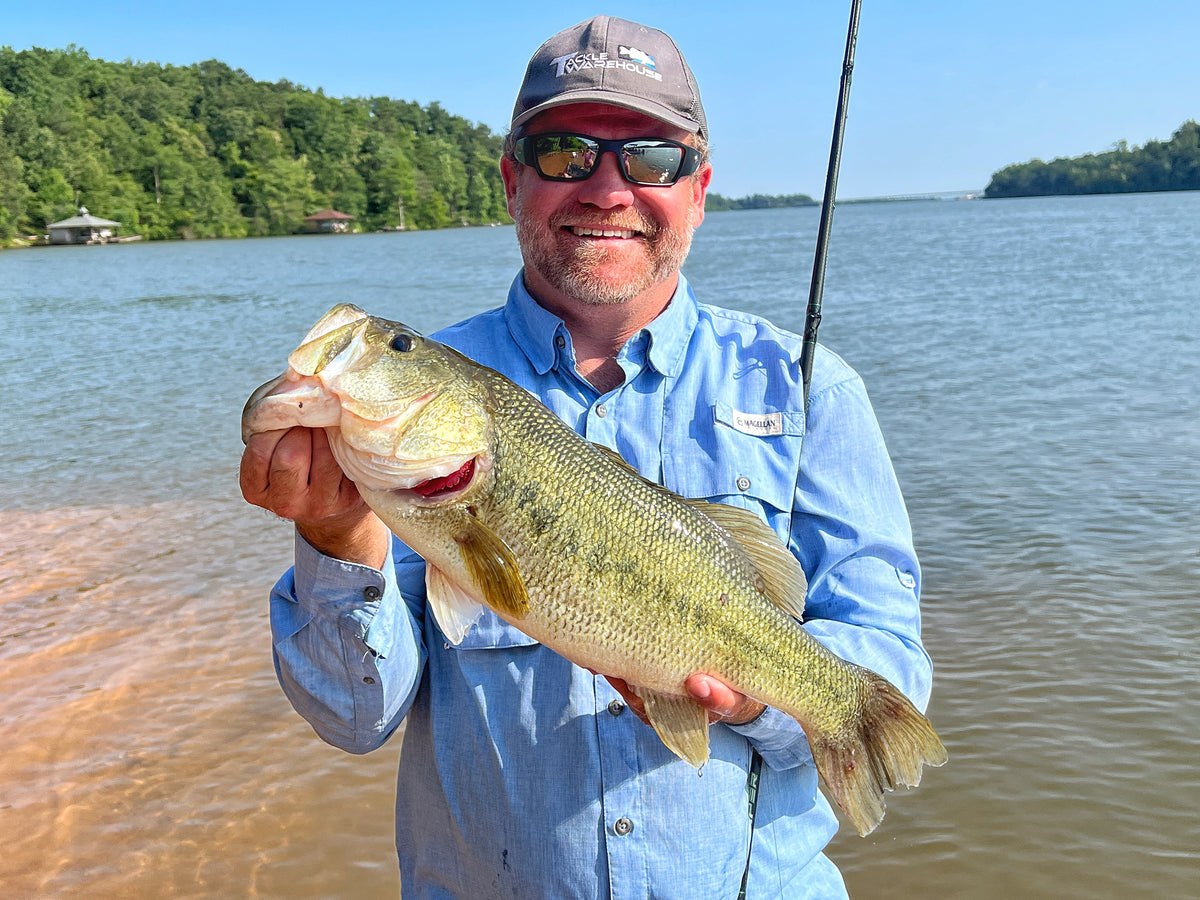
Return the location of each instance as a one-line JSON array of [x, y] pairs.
[[610, 60]]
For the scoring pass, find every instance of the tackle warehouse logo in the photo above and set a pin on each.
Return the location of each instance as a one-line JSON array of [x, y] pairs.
[[637, 56], [629, 58]]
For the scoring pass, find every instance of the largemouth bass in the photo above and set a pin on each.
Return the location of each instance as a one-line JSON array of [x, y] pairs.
[[514, 511]]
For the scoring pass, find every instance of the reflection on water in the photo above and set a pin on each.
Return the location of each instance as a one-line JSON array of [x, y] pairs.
[[148, 751], [1033, 364]]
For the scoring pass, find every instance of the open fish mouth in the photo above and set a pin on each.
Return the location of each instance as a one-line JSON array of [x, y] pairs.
[[446, 486]]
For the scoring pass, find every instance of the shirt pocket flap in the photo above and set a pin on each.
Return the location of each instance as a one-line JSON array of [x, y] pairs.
[[754, 454], [493, 633]]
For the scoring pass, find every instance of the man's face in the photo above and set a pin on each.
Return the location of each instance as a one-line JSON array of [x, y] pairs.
[[603, 239]]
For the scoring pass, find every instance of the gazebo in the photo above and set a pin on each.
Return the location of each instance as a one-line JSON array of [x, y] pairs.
[[83, 229], [328, 221]]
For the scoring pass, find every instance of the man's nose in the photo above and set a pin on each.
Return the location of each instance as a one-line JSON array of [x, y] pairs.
[[606, 187]]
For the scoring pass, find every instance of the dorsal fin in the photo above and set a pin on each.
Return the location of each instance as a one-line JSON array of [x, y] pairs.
[[785, 581], [619, 461]]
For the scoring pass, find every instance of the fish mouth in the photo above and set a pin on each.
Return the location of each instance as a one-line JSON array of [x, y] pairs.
[[288, 400], [444, 486]]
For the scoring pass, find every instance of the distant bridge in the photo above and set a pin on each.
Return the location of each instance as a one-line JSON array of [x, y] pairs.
[[970, 194]]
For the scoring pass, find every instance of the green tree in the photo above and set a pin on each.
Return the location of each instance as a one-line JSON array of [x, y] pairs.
[[281, 194], [1158, 166], [392, 189], [51, 199], [14, 192], [206, 151]]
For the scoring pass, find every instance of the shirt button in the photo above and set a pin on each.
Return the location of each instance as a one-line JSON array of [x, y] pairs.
[[367, 679], [616, 707], [743, 483], [371, 593], [601, 411], [623, 826], [560, 342]]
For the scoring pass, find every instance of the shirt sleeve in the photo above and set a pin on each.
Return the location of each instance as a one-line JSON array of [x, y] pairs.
[[348, 644], [852, 536], [851, 533]]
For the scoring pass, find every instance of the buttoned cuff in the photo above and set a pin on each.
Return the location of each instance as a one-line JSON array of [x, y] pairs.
[[329, 588], [778, 738]]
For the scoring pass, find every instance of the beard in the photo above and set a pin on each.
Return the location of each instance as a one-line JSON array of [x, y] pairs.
[[594, 273]]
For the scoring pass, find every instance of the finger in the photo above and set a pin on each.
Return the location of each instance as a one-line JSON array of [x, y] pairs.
[[713, 694], [720, 699], [254, 469], [324, 474], [327, 477], [288, 475]]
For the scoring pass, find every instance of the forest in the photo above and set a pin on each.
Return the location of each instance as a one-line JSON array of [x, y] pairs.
[[204, 150], [1172, 165]]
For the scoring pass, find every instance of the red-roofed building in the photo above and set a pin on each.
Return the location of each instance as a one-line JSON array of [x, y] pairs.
[[328, 221]]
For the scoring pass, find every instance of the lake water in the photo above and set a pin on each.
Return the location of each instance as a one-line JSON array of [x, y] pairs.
[[1035, 366]]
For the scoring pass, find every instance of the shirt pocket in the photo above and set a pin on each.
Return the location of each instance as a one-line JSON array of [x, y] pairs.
[[492, 633], [747, 458]]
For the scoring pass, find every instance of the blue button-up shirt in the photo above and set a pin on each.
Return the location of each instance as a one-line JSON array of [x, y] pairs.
[[522, 775]]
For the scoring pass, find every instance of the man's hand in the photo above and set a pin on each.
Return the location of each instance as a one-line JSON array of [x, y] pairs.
[[723, 703], [293, 474]]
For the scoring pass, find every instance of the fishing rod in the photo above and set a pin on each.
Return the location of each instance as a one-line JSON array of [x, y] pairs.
[[812, 321], [812, 315]]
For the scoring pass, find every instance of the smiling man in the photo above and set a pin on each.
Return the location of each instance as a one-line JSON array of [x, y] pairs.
[[521, 774], [590, 236]]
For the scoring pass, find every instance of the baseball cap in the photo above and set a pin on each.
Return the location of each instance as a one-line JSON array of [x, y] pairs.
[[611, 60]]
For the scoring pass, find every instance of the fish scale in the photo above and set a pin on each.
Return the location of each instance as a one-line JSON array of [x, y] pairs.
[[566, 542]]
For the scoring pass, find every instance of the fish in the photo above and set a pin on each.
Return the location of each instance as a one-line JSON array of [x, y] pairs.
[[514, 512]]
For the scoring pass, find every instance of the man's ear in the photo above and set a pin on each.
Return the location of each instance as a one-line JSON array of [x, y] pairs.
[[700, 182], [508, 173]]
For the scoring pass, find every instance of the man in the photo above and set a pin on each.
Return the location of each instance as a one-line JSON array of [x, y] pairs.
[[522, 775]]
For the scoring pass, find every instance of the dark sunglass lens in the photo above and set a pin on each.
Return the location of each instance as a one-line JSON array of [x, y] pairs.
[[652, 162], [565, 156]]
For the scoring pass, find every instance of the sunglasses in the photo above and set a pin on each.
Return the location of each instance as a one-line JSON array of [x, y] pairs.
[[574, 157]]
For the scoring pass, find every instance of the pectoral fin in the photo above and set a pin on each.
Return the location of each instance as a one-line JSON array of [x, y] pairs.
[[492, 569], [455, 610], [681, 722]]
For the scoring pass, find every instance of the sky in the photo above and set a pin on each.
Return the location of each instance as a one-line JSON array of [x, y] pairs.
[[944, 92]]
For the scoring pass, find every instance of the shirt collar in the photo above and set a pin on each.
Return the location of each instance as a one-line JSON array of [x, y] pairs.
[[536, 330], [533, 328], [670, 334]]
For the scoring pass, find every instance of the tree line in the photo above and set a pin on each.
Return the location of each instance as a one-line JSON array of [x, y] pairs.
[[717, 203], [204, 150], [1172, 165]]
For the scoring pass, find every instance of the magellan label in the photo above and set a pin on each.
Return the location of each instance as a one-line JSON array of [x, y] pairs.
[[761, 424]]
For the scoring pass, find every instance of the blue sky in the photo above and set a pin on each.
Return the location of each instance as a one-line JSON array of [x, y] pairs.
[[944, 93]]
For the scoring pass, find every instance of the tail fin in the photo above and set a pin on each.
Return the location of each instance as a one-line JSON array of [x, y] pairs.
[[884, 747]]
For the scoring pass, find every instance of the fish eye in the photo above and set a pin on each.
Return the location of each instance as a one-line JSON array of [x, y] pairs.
[[401, 343]]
